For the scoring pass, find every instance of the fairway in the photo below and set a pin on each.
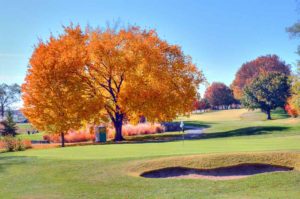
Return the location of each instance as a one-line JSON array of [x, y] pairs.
[[104, 171]]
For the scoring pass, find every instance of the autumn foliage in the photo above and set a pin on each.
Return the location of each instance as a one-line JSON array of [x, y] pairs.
[[142, 129], [9, 144], [107, 75], [138, 74], [290, 108], [291, 111], [201, 104], [294, 101], [218, 94], [252, 69], [87, 134], [54, 98]]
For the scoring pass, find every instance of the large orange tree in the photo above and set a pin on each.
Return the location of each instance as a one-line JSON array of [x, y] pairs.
[[126, 74], [54, 98], [138, 74]]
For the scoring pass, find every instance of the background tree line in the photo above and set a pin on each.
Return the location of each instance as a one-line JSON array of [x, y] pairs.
[[263, 83]]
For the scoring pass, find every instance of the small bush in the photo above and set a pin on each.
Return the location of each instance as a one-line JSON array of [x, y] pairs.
[[71, 136], [10, 144], [139, 129], [27, 144], [291, 111], [79, 136], [52, 137]]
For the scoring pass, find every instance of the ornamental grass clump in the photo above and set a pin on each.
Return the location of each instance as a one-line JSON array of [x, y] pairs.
[[88, 133], [10, 144]]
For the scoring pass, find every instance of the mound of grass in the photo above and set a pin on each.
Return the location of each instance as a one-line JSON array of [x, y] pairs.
[[286, 159]]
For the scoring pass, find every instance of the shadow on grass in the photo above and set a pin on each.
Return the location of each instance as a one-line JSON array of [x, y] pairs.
[[197, 124], [8, 161], [248, 131]]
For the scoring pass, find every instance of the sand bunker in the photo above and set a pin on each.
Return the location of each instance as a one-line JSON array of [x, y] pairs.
[[222, 173]]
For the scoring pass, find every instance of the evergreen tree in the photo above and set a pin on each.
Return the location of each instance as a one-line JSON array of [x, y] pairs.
[[9, 125]]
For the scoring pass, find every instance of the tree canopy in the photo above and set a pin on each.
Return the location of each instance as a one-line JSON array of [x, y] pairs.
[[250, 70], [138, 74], [55, 100], [294, 100], [115, 74], [218, 94], [267, 92]]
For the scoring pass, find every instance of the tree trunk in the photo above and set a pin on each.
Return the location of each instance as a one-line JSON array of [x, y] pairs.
[[118, 127], [269, 114], [62, 135]]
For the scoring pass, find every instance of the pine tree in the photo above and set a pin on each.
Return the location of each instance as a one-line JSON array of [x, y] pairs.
[[9, 125]]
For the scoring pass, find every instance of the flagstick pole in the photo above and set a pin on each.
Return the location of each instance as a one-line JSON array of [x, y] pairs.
[[182, 137]]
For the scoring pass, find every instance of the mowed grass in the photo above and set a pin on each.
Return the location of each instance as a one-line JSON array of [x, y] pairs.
[[103, 171], [22, 129], [240, 122]]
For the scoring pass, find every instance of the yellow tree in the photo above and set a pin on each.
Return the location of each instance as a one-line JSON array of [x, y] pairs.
[[54, 98], [294, 100], [135, 73]]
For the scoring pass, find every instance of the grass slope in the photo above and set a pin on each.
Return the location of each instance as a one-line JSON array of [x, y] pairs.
[[103, 171], [210, 161]]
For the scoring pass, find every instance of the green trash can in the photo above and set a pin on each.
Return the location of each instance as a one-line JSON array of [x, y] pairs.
[[101, 134], [102, 137]]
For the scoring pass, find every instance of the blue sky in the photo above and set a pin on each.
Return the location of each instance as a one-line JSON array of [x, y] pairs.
[[219, 35]]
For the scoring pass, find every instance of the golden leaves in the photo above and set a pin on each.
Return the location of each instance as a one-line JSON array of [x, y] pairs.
[[94, 75]]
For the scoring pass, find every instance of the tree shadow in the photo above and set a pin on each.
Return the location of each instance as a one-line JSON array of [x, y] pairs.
[[248, 131], [8, 161], [175, 126], [197, 124]]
